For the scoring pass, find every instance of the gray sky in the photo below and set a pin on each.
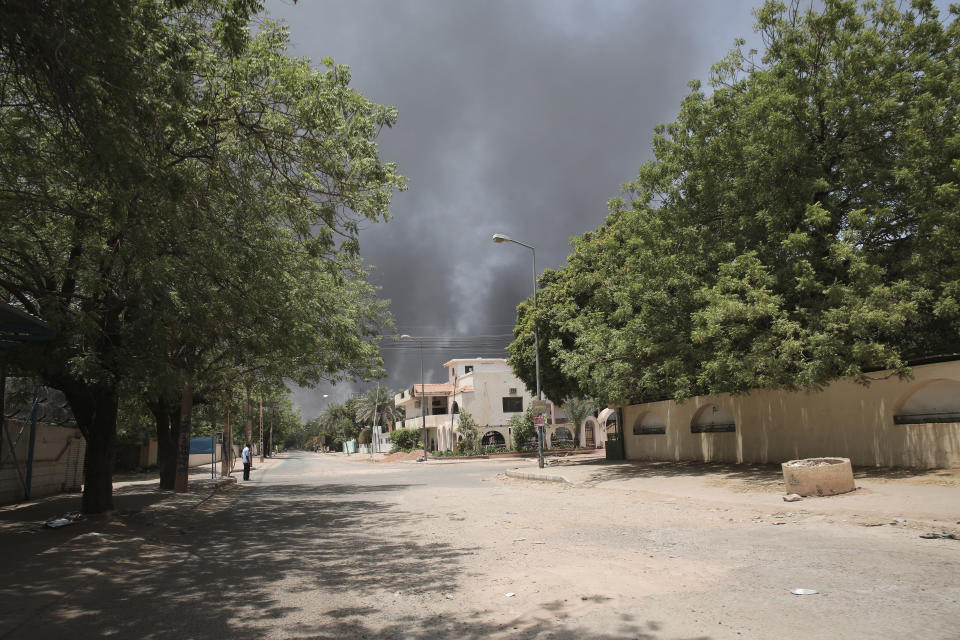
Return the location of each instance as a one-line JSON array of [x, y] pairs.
[[518, 117]]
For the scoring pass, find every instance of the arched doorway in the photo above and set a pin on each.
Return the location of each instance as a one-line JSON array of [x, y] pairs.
[[493, 439], [590, 433], [561, 437]]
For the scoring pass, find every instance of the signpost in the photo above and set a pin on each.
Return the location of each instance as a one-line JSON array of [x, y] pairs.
[[540, 408]]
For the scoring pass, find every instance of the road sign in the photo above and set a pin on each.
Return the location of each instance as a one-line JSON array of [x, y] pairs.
[[540, 406], [539, 421]]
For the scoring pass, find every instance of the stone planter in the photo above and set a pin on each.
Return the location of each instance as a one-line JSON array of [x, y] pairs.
[[818, 476]]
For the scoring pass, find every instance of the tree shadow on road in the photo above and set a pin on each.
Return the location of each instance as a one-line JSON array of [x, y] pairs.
[[263, 561], [762, 475]]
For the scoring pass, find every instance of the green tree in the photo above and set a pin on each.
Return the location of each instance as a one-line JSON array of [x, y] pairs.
[[376, 407], [577, 409], [469, 431], [793, 227], [524, 432], [337, 423], [170, 186], [406, 439]]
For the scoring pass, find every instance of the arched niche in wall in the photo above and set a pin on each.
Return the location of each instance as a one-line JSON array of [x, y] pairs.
[[560, 434], [933, 401], [493, 439], [648, 424], [713, 419]]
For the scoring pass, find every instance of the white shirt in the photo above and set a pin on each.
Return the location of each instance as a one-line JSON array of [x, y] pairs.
[[245, 455]]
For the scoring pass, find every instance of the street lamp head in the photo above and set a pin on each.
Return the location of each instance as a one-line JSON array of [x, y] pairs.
[[499, 237], [406, 337]]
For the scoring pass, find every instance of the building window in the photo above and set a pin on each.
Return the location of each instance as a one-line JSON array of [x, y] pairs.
[[512, 391], [513, 405], [468, 369]]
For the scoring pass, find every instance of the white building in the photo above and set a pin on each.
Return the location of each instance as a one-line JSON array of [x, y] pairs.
[[489, 391]]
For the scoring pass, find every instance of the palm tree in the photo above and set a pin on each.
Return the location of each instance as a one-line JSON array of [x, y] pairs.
[[377, 404], [336, 421], [578, 409]]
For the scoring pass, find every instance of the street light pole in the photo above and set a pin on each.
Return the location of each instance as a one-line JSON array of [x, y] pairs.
[[423, 403], [498, 238]]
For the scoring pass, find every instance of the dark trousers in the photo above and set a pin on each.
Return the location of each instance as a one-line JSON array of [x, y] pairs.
[[246, 470]]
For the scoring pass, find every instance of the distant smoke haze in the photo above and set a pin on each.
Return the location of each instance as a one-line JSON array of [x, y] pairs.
[[516, 117]]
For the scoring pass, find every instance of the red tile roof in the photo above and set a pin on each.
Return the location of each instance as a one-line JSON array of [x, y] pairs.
[[441, 389]]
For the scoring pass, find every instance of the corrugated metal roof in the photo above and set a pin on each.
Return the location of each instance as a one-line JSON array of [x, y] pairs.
[[17, 326]]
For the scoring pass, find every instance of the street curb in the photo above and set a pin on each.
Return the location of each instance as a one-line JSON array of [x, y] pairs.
[[523, 475]]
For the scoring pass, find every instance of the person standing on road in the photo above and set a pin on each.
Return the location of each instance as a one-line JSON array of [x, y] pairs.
[[246, 458]]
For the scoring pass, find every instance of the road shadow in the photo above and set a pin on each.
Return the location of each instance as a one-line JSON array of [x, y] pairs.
[[762, 475], [251, 563]]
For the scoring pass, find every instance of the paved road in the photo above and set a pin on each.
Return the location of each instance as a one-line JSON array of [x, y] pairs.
[[322, 547]]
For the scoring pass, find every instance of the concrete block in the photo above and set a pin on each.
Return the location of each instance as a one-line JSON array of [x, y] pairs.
[[818, 476]]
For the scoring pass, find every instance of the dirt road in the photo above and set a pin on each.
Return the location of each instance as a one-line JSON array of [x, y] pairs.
[[321, 547]]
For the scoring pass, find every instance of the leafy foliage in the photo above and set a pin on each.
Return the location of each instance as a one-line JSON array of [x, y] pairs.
[[468, 429], [336, 424], [406, 439], [181, 202], [577, 409], [524, 432], [376, 407], [795, 226]]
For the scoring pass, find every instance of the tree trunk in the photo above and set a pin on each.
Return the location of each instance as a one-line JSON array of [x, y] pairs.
[[3, 396], [168, 432], [95, 409], [183, 448]]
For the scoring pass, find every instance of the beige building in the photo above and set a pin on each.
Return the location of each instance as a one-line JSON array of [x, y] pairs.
[[890, 423], [488, 390]]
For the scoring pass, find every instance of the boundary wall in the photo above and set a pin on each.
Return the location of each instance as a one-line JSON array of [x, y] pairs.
[[58, 458], [890, 423]]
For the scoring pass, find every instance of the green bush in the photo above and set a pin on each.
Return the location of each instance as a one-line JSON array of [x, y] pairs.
[[405, 439], [468, 430], [524, 433]]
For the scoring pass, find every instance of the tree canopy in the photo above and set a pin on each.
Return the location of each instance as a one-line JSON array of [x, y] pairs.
[[798, 222], [181, 202]]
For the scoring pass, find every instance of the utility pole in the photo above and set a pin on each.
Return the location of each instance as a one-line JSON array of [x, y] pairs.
[[273, 414], [376, 404], [226, 464], [261, 428], [249, 418]]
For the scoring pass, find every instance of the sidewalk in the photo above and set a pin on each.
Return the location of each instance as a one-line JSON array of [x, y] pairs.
[[133, 493], [45, 565], [927, 499]]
